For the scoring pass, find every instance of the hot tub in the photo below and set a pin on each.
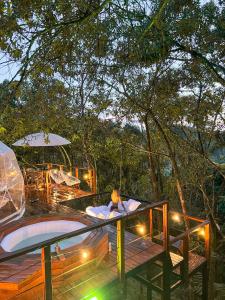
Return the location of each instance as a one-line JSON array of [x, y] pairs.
[[76, 256], [38, 232]]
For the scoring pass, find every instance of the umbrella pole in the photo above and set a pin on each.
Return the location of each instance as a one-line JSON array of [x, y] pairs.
[[67, 156], [63, 155]]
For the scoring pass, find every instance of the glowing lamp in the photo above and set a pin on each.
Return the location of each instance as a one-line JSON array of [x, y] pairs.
[[85, 254], [176, 218], [201, 232], [141, 229], [86, 176], [69, 174]]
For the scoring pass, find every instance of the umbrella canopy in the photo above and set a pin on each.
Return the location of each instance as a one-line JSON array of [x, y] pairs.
[[42, 139]]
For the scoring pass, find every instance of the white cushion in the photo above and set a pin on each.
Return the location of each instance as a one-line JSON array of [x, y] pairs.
[[103, 211], [132, 205]]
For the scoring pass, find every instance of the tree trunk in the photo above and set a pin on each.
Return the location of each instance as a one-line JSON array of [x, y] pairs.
[[175, 168], [152, 167]]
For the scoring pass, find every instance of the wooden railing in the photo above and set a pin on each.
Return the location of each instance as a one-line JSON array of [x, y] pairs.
[[120, 220], [184, 237]]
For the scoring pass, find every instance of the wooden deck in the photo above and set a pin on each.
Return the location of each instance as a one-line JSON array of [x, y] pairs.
[[26, 272], [58, 193], [21, 278], [21, 272]]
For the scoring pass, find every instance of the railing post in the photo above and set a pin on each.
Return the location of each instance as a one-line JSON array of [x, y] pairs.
[[76, 172], [151, 223], [166, 256], [47, 272], [94, 181], [121, 256], [165, 227], [207, 241], [205, 270], [185, 264]]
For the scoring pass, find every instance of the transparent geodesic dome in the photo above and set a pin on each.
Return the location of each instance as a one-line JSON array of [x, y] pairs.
[[12, 200]]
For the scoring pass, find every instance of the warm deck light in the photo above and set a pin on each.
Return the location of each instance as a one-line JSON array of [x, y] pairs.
[[69, 173], [141, 229], [85, 254], [86, 176], [201, 232], [176, 217]]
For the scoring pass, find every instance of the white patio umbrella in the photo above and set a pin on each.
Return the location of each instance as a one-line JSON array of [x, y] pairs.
[[42, 139]]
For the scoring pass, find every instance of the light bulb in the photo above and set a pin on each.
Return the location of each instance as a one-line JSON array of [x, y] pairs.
[[176, 217]]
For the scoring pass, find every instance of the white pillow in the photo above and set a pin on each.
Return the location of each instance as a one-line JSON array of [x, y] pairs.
[[94, 211], [132, 205]]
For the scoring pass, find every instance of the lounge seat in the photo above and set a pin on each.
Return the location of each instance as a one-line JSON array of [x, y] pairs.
[[103, 211]]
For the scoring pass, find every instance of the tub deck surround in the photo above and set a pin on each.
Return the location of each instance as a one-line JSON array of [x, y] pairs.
[[69, 285], [21, 273], [27, 235]]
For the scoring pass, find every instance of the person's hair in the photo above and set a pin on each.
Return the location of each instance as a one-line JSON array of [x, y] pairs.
[[115, 196]]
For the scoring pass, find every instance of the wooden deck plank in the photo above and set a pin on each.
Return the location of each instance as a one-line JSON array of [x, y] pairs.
[[136, 254]]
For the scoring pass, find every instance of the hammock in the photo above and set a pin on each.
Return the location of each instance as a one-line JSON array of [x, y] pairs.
[[60, 176], [56, 176], [69, 179]]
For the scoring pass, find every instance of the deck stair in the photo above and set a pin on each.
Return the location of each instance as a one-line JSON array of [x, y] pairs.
[[174, 262]]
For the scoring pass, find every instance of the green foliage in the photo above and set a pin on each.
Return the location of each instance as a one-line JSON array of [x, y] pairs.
[[86, 69]]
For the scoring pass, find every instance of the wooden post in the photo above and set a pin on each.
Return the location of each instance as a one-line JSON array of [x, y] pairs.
[[121, 256], [46, 272], [185, 264], [151, 223], [205, 268], [149, 286], [207, 241], [94, 182], [166, 256], [166, 276], [165, 227], [76, 172], [90, 181], [48, 184]]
